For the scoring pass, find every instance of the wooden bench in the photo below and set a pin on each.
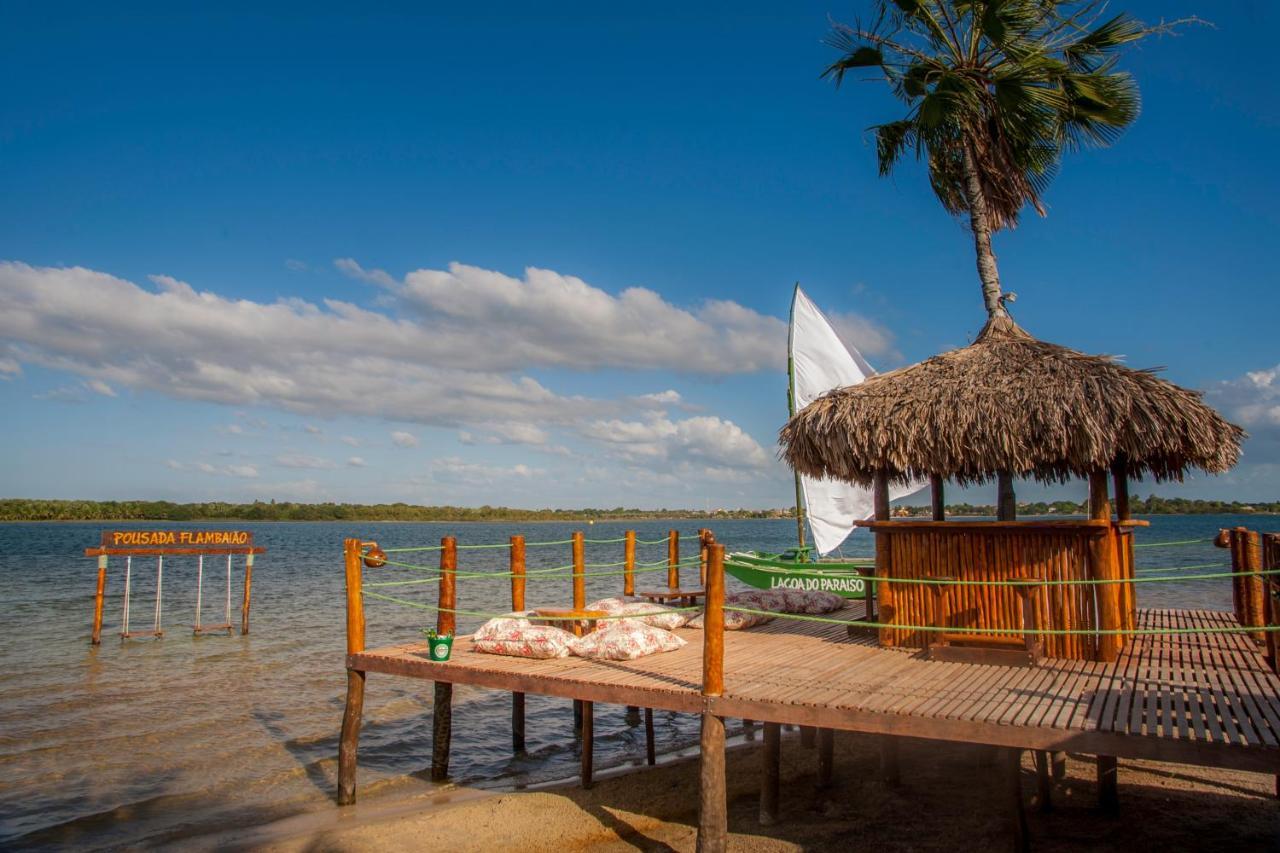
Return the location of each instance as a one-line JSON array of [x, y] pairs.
[[681, 597]]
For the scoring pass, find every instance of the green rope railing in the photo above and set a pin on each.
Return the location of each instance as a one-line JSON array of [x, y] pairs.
[[1170, 544], [485, 615], [1057, 632], [565, 571]]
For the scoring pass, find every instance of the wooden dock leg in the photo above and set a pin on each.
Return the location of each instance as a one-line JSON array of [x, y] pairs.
[[98, 599], [588, 742], [577, 716], [248, 590], [632, 715], [349, 741], [649, 754], [808, 736], [889, 760], [517, 722], [1044, 782], [1059, 766], [1108, 790], [770, 774], [713, 808], [826, 756], [1012, 761], [441, 731]]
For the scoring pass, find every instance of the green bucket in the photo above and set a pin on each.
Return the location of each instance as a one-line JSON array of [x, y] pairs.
[[440, 647]]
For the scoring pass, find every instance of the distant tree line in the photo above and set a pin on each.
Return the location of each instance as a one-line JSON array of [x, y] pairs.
[[25, 509], [1151, 505]]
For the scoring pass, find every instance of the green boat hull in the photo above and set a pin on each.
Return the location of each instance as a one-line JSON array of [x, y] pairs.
[[789, 571]]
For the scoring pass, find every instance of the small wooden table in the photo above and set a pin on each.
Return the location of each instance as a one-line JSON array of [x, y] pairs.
[[577, 621], [681, 597]]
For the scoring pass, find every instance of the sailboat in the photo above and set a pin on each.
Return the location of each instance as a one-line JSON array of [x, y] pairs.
[[817, 361]]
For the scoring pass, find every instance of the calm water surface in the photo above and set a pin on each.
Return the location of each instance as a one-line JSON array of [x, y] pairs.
[[150, 741]]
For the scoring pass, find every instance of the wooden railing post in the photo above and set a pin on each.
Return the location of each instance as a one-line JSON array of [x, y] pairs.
[[1254, 587], [673, 559], [98, 599], [629, 564], [703, 545], [579, 572], [1270, 585], [446, 623], [579, 603], [713, 814], [248, 587], [517, 605], [349, 740]]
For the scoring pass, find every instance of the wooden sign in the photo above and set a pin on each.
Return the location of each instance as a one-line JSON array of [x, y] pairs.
[[159, 542]]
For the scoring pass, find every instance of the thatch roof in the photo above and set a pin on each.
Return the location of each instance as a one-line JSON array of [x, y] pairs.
[[1009, 402]]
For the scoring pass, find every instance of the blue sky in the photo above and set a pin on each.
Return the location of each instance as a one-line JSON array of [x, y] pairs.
[[256, 254]]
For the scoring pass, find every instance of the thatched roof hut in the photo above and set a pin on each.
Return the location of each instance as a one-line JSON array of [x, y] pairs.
[[1009, 403]]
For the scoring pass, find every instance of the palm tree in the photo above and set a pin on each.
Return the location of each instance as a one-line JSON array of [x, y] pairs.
[[996, 91]]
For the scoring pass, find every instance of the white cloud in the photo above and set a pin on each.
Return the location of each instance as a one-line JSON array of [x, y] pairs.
[[244, 471], [299, 460], [296, 265], [356, 462], [449, 350], [404, 439], [312, 429], [97, 386], [704, 440], [452, 470]]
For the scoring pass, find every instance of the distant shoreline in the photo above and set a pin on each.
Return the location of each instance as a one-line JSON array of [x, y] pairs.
[[21, 510]]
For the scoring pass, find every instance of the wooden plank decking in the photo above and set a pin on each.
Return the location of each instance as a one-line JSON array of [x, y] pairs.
[[1198, 698]]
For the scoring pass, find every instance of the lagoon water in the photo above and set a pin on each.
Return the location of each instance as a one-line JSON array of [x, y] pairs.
[[152, 741]]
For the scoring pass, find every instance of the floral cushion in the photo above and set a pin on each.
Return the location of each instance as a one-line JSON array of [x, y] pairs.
[[625, 639]]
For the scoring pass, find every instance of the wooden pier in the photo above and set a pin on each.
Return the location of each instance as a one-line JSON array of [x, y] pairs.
[[1189, 687], [1204, 699]]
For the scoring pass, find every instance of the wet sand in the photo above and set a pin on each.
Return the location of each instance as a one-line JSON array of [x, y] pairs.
[[948, 799]]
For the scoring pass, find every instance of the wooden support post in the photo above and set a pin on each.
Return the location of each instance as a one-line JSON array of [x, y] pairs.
[[1124, 546], [1058, 762], [1108, 783], [98, 600], [588, 742], [650, 756], [349, 739], [248, 588], [1044, 783], [937, 493], [808, 737], [517, 605], [629, 564], [826, 757], [446, 623], [1102, 566], [884, 592], [1012, 761], [1006, 498], [770, 773], [673, 559], [713, 810]]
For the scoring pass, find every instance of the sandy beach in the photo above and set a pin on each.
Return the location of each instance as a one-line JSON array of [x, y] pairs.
[[947, 800]]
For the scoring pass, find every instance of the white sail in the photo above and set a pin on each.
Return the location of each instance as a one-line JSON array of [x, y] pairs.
[[820, 361]]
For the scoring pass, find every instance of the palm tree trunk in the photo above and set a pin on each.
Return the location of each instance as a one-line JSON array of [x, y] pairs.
[[980, 225]]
